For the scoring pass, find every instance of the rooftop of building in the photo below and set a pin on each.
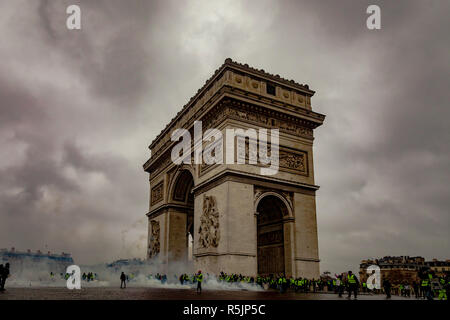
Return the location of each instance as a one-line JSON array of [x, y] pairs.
[[13, 253], [404, 260], [133, 261]]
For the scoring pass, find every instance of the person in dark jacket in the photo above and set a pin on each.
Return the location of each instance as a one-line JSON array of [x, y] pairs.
[[123, 279], [353, 285], [2, 268], [387, 288], [416, 289], [4, 273]]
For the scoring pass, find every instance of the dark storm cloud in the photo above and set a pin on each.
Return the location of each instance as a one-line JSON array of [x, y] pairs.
[[60, 90], [110, 50], [20, 113], [389, 195], [79, 108]]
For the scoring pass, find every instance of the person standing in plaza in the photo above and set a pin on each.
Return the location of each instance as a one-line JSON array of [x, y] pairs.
[[340, 285], [353, 285], [199, 281], [415, 286], [447, 286], [4, 274], [123, 283], [387, 288], [426, 288], [407, 290], [442, 289], [2, 268]]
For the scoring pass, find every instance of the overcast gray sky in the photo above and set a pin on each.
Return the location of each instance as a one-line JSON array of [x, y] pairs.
[[79, 108]]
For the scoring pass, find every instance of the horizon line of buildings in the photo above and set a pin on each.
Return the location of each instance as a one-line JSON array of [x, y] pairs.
[[404, 268], [22, 259]]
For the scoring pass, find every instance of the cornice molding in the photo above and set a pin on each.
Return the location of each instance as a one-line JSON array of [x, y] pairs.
[[227, 102], [233, 175], [213, 83]]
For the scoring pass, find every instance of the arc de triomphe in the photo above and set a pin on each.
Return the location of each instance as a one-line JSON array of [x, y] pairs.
[[229, 217]]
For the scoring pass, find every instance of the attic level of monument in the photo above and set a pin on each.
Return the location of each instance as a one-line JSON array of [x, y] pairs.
[[291, 101], [241, 70]]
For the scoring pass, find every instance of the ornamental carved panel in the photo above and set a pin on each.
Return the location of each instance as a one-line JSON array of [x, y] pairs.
[[154, 245], [157, 193], [209, 233], [295, 161], [289, 160]]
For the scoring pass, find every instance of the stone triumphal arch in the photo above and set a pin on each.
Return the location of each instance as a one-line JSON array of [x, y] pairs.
[[229, 217]]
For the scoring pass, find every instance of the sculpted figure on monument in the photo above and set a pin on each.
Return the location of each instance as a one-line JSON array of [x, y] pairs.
[[209, 234], [154, 240]]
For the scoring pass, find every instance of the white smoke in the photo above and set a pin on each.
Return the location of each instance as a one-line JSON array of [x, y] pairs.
[[30, 273]]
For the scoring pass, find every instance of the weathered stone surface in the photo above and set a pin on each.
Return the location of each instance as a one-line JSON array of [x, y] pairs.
[[218, 204]]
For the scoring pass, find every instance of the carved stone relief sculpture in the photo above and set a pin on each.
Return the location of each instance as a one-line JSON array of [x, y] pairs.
[[209, 233], [154, 246]]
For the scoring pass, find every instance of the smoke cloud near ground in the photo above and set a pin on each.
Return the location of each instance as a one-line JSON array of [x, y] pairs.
[[140, 273]]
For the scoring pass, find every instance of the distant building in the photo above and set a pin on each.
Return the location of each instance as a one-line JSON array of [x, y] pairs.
[[403, 268], [19, 260], [439, 267], [127, 262], [326, 275]]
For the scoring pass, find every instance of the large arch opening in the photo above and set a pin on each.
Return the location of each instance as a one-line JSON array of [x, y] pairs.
[[182, 223], [270, 235]]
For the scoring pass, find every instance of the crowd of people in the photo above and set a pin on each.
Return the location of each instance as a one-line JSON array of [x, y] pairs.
[[428, 286], [90, 276], [277, 282]]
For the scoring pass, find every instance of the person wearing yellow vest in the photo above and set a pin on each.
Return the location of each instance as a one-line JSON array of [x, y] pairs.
[[282, 282], [353, 285], [340, 286], [442, 289], [426, 288], [447, 286], [199, 281]]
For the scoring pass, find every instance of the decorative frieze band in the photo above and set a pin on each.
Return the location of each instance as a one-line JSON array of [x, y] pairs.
[[294, 161], [259, 116]]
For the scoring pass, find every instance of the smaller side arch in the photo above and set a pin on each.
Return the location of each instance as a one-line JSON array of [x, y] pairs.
[[180, 173]]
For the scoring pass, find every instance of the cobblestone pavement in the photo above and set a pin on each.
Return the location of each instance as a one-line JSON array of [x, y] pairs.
[[141, 293]]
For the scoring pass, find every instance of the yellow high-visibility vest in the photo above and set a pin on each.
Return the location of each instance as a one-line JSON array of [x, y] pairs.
[[351, 279]]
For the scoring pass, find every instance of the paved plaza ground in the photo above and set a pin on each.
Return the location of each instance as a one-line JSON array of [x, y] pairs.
[[146, 293]]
